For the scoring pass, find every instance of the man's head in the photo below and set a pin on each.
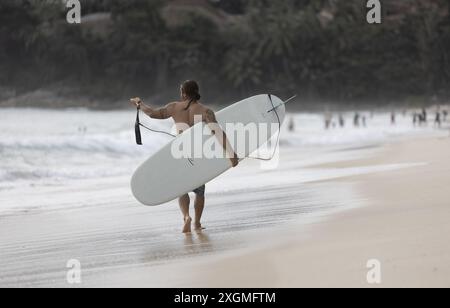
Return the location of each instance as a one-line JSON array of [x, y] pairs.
[[190, 91]]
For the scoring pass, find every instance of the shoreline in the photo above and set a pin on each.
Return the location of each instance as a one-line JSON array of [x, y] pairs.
[[46, 101]]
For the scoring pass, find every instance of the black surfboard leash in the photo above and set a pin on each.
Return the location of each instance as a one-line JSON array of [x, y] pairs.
[[138, 125]]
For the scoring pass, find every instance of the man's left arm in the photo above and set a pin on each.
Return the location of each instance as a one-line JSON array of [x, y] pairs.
[[210, 119]]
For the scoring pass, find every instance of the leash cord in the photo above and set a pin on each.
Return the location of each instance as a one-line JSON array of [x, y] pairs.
[[157, 131], [278, 136]]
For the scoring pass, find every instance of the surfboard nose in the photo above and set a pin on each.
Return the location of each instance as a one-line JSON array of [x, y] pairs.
[[141, 188]]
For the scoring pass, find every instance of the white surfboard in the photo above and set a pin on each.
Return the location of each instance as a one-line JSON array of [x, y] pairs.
[[163, 177]]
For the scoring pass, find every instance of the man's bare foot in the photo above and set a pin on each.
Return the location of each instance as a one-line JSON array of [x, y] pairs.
[[198, 227], [187, 225]]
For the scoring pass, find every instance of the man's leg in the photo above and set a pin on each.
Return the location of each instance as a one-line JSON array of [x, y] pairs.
[[199, 206], [184, 202]]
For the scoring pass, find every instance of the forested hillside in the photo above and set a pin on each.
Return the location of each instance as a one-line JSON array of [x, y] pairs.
[[324, 50]]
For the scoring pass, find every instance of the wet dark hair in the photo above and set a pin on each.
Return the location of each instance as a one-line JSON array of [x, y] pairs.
[[191, 89]]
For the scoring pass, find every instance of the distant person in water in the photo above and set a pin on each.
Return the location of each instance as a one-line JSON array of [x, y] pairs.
[[415, 118], [437, 120], [82, 130], [341, 121], [184, 112], [291, 125]]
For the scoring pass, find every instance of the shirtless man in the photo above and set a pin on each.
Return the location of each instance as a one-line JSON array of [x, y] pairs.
[[183, 113]]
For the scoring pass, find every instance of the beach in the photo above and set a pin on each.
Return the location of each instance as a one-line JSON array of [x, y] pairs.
[[336, 201], [404, 225]]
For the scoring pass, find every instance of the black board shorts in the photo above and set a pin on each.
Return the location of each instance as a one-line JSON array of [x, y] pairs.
[[200, 191]]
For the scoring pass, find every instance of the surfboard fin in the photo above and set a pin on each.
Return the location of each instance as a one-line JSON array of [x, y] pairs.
[[284, 103]]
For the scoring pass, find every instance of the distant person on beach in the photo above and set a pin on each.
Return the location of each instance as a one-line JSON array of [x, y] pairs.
[[184, 112], [328, 118], [393, 118], [421, 119], [445, 114], [364, 121], [356, 120], [424, 116]]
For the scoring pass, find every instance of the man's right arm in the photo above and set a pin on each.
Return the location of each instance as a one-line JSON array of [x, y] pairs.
[[161, 113]]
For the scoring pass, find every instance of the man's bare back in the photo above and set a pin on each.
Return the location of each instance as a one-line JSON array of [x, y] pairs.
[[186, 113], [181, 115]]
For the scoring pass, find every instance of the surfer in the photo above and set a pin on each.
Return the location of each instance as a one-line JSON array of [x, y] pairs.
[[184, 113]]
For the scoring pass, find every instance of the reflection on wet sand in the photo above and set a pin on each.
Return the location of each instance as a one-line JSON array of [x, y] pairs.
[[197, 242], [186, 245]]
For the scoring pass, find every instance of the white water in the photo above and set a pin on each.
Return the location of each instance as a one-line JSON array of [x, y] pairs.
[[41, 147]]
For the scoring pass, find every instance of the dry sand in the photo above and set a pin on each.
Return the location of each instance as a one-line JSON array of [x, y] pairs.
[[406, 226]]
